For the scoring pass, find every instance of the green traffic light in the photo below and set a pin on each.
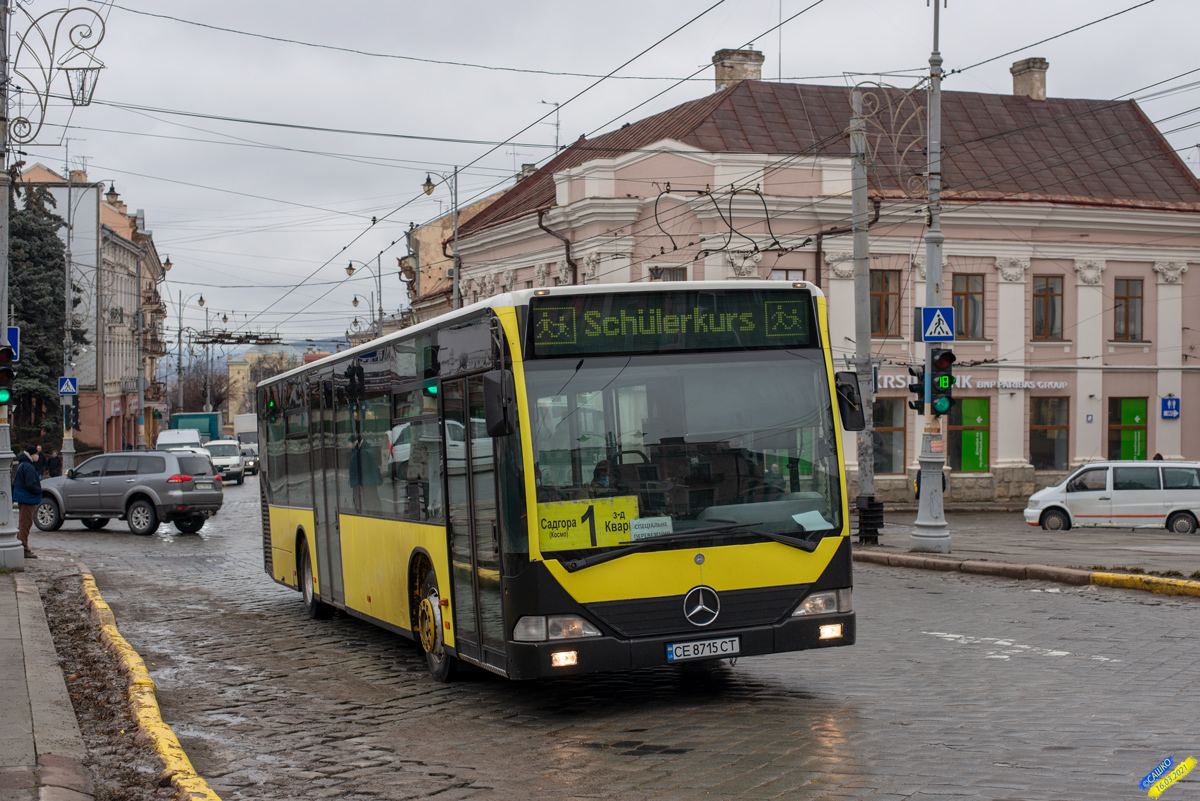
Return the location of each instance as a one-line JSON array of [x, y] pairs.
[[5, 395], [942, 405]]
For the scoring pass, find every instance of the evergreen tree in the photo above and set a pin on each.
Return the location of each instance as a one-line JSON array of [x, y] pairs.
[[35, 281]]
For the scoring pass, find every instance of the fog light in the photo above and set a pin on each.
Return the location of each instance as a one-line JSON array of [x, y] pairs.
[[831, 632], [571, 658]]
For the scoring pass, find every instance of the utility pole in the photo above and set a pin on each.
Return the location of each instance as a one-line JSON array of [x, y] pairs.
[[379, 286], [931, 534], [179, 358], [68, 446], [207, 368], [12, 554], [456, 296], [140, 443], [870, 513]]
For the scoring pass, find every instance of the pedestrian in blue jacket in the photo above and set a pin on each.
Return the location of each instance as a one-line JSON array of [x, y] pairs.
[[27, 492]]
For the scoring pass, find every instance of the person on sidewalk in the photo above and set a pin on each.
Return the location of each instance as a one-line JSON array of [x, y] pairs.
[[54, 464], [27, 492]]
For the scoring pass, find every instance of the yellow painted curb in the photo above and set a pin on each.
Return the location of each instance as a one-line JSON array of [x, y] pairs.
[[1163, 586], [177, 768]]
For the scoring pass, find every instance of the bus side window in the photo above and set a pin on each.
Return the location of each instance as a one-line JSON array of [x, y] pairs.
[[414, 458]]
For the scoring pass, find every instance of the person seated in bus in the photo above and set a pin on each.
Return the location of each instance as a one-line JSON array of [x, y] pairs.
[[603, 483]]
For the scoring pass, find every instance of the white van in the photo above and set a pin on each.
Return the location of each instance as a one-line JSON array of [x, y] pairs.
[[1121, 495], [177, 438]]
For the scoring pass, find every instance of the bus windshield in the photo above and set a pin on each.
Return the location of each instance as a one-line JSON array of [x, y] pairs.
[[633, 448]]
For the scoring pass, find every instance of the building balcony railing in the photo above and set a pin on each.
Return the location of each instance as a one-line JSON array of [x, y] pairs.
[[154, 392], [153, 346]]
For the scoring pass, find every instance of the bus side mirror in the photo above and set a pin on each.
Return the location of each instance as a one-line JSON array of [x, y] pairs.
[[849, 401], [499, 406]]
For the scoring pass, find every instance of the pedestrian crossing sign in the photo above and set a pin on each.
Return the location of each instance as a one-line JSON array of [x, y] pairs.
[[67, 386], [937, 324]]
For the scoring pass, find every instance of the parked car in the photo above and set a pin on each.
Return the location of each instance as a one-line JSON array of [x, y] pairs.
[[1121, 495], [227, 458], [250, 458], [144, 488]]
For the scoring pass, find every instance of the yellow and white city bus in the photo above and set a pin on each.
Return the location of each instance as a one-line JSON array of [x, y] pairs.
[[574, 479]]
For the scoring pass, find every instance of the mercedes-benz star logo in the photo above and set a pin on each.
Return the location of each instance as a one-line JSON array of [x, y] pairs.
[[701, 606]]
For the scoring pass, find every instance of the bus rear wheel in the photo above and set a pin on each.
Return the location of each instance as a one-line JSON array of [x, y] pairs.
[[429, 631]]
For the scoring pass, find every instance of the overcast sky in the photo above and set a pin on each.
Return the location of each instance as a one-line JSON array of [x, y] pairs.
[[245, 215]]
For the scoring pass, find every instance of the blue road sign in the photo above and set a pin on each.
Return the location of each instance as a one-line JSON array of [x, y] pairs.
[[14, 339], [937, 324], [67, 386], [1170, 408]]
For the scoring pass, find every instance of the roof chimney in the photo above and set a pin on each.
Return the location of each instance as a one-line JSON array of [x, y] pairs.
[[1029, 78], [78, 176], [526, 171], [735, 66]]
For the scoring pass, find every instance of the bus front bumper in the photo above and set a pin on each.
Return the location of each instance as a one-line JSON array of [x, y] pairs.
[[530, 660]]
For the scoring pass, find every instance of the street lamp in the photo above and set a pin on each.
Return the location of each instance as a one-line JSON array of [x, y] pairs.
[[428, 187], [179, 364], [64, 44], [378, 286]]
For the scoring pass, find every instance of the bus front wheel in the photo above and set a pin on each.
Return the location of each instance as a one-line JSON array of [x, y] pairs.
[[429, 630], [313, 607]]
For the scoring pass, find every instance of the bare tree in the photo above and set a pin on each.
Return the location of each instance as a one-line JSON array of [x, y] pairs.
[[271, 365], [195, 381]]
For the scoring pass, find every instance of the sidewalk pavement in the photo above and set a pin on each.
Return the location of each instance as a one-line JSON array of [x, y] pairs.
[[1006, 537], [41, 749]]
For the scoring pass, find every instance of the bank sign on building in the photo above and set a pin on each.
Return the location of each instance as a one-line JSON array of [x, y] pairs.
[[1072, 244]]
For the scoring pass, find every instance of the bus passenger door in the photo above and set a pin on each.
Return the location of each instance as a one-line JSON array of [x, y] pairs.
[[474, 535], [325, 510], [486, 528], [458, 516]]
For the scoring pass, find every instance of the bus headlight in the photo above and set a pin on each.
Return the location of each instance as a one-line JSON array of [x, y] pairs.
[[824, 603], [531, 628], [569, 627], [539, 628]]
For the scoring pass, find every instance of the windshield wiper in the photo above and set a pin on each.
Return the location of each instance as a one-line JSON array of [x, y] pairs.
[[638, 545]]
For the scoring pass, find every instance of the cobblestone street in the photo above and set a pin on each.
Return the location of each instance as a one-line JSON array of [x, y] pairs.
[[959, 686]]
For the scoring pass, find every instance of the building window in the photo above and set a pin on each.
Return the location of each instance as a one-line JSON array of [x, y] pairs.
[[1127, 428], [1127, 295], [889, 435], [669, 273], [969, 435], [786, 275], [529, 285], [1047, 307], [1048, 423], [968, 306], [885, 303]]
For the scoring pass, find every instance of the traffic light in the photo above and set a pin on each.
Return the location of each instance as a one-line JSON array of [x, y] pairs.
[[72, 414], [942, 395], [8, 373], [917, 387], [271, 407]]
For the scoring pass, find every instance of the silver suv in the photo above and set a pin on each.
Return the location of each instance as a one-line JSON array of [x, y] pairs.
[[142, 487]]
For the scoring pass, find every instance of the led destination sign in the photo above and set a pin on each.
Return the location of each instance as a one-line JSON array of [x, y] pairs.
[[670, 321]]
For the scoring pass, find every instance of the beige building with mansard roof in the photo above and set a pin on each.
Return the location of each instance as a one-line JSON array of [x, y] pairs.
[[1072, 244]]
